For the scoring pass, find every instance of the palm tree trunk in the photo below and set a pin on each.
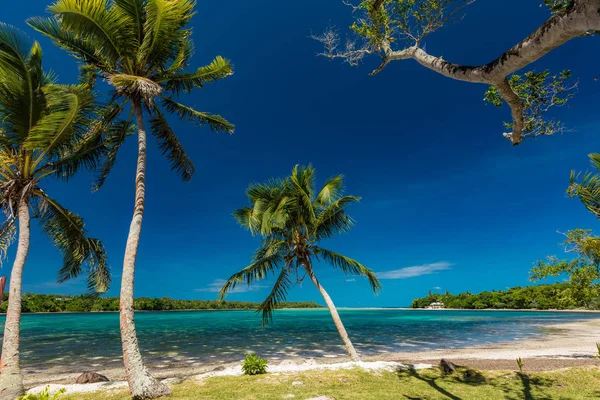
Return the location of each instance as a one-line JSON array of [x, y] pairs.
[[334, 314], [141, 383], [11, 380]]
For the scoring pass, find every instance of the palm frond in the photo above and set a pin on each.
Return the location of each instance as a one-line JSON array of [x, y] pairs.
[[110, 31], [331, 191], [67, 106], [595, 160], [588, 191], [278, 294], [185, 52], [21, 102], [215, 122], [114, 138], [134, 9], [78, 47], [333, 219], [303, 180], [67, 232], [163, 29], [186, 82], [243, 216], [349, 266], [170, 146], [267, 260], [7, 236]]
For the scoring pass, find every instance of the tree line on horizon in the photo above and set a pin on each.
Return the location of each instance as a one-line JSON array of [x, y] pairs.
[[554, 296], [143, 50], [48, 303]]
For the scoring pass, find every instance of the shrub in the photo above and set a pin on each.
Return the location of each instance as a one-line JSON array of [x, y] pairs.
[[254, 365], [43, 395]]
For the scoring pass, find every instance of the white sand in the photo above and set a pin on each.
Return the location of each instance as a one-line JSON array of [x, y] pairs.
[[284, 367]]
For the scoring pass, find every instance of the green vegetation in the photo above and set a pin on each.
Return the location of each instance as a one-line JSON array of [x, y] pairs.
[[357, 384], [43, 395], [254, 365], [35, 303], [559, 296], [293, 218]]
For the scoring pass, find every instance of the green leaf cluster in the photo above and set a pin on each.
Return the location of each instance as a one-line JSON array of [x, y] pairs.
[[407, 21], [254, 365], [539, 92]]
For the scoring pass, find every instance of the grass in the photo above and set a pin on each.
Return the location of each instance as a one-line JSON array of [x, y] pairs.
[[357, 384]]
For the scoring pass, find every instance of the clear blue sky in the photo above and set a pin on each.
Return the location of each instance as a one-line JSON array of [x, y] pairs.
[[441, 187]]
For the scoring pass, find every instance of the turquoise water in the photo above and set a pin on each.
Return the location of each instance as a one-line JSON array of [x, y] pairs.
[[195, 337]]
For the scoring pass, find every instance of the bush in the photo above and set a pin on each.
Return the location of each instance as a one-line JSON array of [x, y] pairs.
[[254, 365], [43, 395]]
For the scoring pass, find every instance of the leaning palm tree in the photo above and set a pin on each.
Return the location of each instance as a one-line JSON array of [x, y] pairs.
[[43, 133], [141, 48], [292, 219], [588, 189]]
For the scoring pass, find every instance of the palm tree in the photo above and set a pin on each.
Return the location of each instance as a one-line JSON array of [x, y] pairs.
[[588, 190], [141, 47], [292, 219], [43, 133]]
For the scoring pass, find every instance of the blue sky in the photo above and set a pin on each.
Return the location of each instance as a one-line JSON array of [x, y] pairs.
[[447, 202]]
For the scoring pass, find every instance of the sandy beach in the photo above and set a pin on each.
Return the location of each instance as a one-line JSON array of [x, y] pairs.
[[565, 345]]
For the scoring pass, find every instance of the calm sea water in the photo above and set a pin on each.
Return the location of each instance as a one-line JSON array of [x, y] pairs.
[[189, 338]]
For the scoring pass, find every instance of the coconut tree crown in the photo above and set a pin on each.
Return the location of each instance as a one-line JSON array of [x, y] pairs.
[[142, 48], [292, 218], [45, 132]]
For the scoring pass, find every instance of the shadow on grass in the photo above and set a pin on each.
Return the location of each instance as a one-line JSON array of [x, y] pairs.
[[516, 390], [411, 372], [527, 382]]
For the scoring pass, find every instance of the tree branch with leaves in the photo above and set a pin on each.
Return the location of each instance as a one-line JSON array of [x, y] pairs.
[[395, 30]]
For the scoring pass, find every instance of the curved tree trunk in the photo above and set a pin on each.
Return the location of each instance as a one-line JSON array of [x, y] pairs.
[[11, 380], [335, 316], [141, 383]]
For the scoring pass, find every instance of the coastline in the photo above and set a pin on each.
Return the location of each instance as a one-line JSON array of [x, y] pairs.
[[567, 344], [574, 310]]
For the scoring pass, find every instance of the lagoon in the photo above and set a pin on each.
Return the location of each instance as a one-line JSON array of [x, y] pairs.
[[191, 338]]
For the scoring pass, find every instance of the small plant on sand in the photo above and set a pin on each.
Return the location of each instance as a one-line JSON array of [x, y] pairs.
[[43, 395], [254, 365], [598, 348], [520, 364]]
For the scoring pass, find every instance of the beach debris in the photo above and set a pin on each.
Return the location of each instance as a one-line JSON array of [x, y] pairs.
[[91, 377], [297, 383], [447, 367], [321, 398]]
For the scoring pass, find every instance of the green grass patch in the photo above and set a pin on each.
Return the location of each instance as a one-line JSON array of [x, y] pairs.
[[357, 384]]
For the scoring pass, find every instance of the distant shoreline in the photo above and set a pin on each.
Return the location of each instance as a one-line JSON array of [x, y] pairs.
[[575, 310]]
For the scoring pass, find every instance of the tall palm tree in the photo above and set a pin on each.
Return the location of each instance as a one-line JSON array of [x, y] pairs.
[[140, 47], [292, 219], [43, 133], [588, 189]]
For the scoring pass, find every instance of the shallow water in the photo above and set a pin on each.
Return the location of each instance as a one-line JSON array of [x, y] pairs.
[[193, 337]]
